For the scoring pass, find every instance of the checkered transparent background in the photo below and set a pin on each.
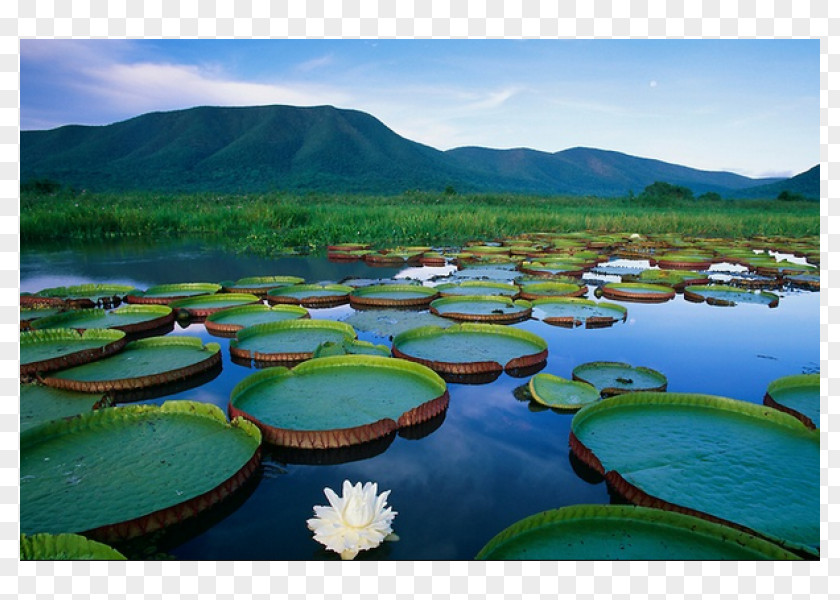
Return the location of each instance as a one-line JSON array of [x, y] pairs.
[[429, 18]]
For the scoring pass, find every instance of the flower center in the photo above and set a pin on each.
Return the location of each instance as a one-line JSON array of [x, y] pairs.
[[357, 513]]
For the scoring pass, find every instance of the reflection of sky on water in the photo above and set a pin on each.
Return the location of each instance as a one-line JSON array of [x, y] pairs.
[[493, 460]]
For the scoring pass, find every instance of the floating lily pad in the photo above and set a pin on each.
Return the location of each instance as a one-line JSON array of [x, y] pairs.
[[617, 532], [120, 472], [780, 268], [471, 348], [805, 280], [388, 322], [350, 347], [488, 309], [260, 285], [164, 294], [230, 320], [41, 403], [393, 295], [287, 341], [571, 312], [30, 313], [338, 401], [478, 288], [143, 363], [798, 395], [89, 294], [674, 278], [564, 394], [552, 269], [28, 299], [617, 378], [724, 295], [717, 458], [638, 292], [684, 261], [52, 349], [130, 319], [64, 546], [532, 291], [312, 294], [203, 306]]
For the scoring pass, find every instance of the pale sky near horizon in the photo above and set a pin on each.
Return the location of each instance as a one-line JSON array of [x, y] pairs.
[[747, 106]]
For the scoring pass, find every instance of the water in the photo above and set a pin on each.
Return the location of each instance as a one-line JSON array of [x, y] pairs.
[[492, 460]]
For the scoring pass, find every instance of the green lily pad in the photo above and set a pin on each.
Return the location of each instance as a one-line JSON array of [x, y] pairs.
[[478, 288], [675, 278], [350, 347], [130, 319], [571, 312], [798, 395], [488, 309], [724, 295], [339, 400], [620, 532], [164, 294], [121, 472], [393, 295], [471, 348], [143, 363], [617, 377], [684, 261], [231, 320], [727, 460], [388, 322], [260, 285], [564, 394], [51, 349], [31, 313], [532, 291], [310, 294], [64, 546], [638, 292], [40, 403], [551, 269], [89, 294], [203, 306], [287, 340]]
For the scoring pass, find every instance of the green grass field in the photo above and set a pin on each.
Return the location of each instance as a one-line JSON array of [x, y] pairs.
[[270, 222]]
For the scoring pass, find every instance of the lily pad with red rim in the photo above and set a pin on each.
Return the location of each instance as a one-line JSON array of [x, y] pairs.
[[393, 295], [556, 392], [471, 348], [40, 403], [121, 472], [486, 309], [532, 291], [287, 341], [724, 295], [32, 312], [613, 378], [350, 347], [144, 363], [230, 320], [65, 546], [734, 462], [571, 312], [478, 288], [313, 294], [260, 285], [388, 322], [339, 400], [166, 293], [200, 307], [89, 294], [130, 319], [638, 292], [798, 395], [52, 349], [621, 532]]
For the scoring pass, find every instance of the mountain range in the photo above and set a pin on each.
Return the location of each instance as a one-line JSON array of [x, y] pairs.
[[323, 148]]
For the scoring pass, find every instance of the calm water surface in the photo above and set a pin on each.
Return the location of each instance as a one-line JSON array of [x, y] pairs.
[[492, 460]]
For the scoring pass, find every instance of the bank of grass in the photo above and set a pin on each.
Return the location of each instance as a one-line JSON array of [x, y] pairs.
[[270, 222]]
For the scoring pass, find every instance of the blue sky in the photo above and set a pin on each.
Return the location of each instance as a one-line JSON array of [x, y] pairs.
[[748, 106]]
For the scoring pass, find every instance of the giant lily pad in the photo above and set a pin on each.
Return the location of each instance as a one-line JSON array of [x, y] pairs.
[[121, 472], [89, 294], [164, 294], [724, 295], [33, 312], [674, 278], [726, 460], [41, 403], [52, 349], [338, 401], [694, 262], [393, 295], [547, 268], [350, 347], [617, 378], [798, 395], [532, 291], [617, 532], [230, 320], [488, 309], [287, 341], [556, 392], [260, 285], [478, 288], [143, 363], [638, 292], [200, 307], [130, 319], [388, 322], [310, 294], [64, 546], [471, 348], [571, 312]]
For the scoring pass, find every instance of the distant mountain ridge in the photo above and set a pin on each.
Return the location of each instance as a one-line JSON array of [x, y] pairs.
[[323, 148]]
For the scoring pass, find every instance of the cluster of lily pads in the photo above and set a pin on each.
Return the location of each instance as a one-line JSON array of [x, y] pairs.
[[87, 349]]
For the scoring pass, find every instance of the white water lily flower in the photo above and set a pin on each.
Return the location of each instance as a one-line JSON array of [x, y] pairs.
[[356, 521]]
